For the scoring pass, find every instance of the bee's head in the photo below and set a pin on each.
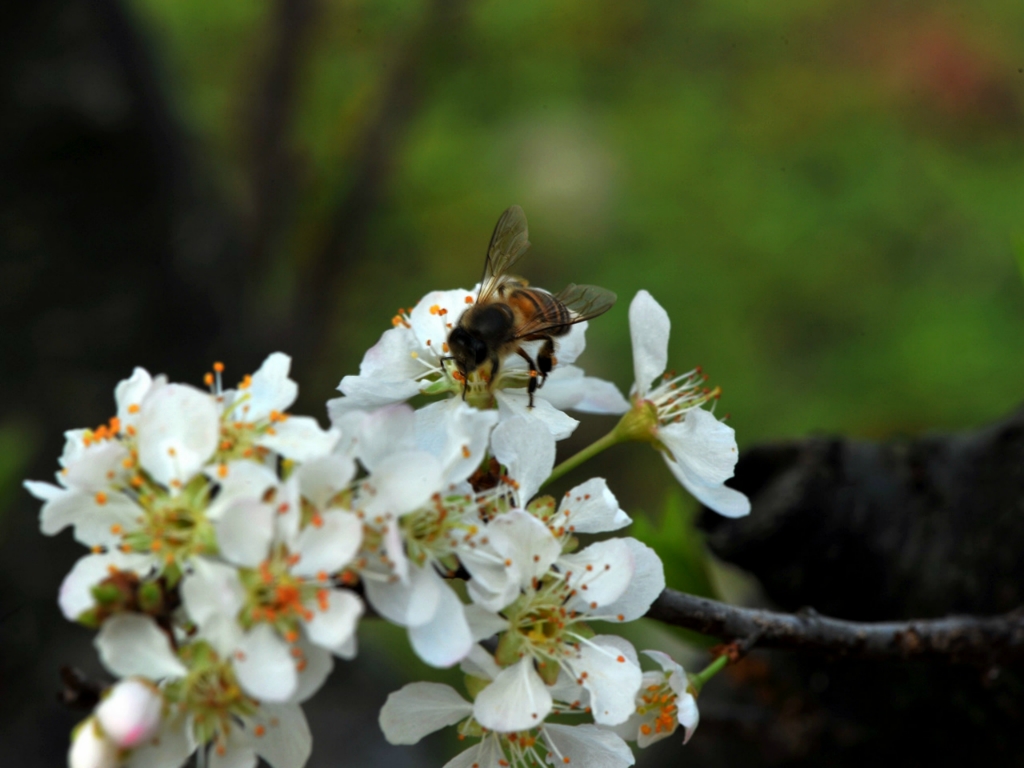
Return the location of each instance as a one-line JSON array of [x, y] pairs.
[[468, 351]]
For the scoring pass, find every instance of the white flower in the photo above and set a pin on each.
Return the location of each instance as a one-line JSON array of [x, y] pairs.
[[255, 420], [419, 709], [699, 449], [90, 748], [205, 706], [663, 703], [130, 713], [409, 359], [283, 585]]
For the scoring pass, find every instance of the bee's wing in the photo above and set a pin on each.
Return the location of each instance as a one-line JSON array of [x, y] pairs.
[[586, 301], [508, 244], [583, 303]]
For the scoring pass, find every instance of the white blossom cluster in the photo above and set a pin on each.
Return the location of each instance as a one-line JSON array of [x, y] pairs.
[[234, 546]]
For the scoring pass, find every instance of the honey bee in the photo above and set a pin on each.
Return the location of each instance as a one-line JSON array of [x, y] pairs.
[[508, 313]]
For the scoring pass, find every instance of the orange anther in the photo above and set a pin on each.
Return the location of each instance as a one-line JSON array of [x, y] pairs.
[[259, 730], [222, 471], [116, 529], [101, 498], [435, 309], [218, 367], [131, 429], [133, 408], [208, 379]]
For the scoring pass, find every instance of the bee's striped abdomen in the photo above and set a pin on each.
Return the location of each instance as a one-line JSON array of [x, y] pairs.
[[540, 308]]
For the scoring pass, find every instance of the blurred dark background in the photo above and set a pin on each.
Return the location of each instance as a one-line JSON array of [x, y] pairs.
[[826, 197]]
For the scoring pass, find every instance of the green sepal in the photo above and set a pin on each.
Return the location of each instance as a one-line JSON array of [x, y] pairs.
[[89, 618], [542, 507], [509, 647], [548, 671], [107, 595], [151, 597], [438, 387], [172, 575], [584, 630], [474, 685], [571, 545]]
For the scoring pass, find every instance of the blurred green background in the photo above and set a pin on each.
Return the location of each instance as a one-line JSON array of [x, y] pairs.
[[825, 196]]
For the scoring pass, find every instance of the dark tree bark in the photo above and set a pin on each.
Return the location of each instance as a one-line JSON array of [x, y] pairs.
[[881, 531], [922, 527]]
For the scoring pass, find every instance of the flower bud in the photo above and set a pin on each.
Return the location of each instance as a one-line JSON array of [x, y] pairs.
[[91, 749], [130, 713]]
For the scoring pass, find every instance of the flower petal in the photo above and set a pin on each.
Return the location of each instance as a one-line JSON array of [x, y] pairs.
[[528, 546], [649, 328], [129, 394], [319, 662], [130, 713], [245, 531], [328, 547], [647, 583], [527, 450], [286, 741], [132, 644], [368, 393], [445, 639], [384, 432], [612, 677], [300, 438], [486, 754], [567, 388], [178, 430], [456, 433], [516, 402], [591, 508], [91, 749], [407, 604], [76, 590], [516, 701], [95, 517], [270, 389], [320, 480], [264, 665], [331, 628], [213, 596], [435, 315], [401, 483], [419, 709], [171, 747], [598, 575], [587, 745], [239, 479]]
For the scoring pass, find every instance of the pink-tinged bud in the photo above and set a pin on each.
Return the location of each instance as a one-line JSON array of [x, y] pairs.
[[130, 713], [91, 749]]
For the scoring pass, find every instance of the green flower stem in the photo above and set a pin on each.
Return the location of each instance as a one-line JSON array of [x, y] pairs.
[[697, 681], [612, 438]]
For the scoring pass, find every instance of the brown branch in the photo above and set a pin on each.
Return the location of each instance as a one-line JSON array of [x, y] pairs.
[[429, 52], [273, 114], [959, 639]]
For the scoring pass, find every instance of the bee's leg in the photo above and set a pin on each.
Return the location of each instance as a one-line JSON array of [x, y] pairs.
[[546, 359], [533, 374]]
